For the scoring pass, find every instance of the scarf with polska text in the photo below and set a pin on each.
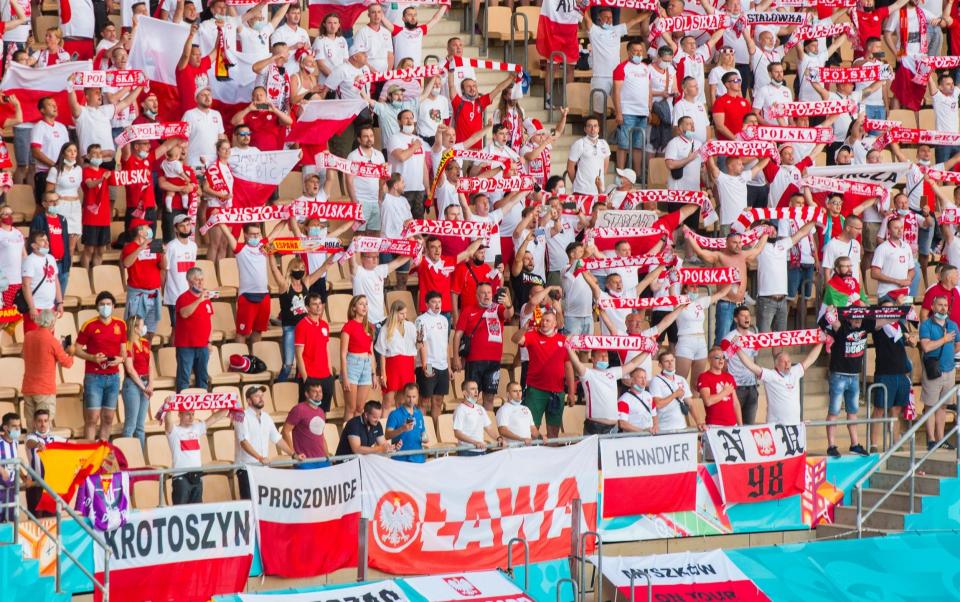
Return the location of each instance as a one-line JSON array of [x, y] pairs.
[[441, 227], [209, 402], [641, 302], [641, 5], [776, 18], [152, 131], [327, 210], [928, 64], [767, 340], [810, 32], [880, 125], [586, 342], [118, 78], [940, 175], [840, 186], [481, 157], [902, 135], [905, 30], [812, 3], [811, 109], [410, 73], [217, 179], [747, 239], [691, 197], [373, 244], [704, 276], [776, 133], [740, 148], [243, 215], [354, 168], [513, 184], [800, 214], [850, 75], [691, 22], [295, 246]]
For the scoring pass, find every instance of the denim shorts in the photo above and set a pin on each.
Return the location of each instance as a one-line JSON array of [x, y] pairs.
[[844, 388], [898, 385], [637, 123], [359, 369], [924, 240], [100, 391], [573, 325], [21, 145]]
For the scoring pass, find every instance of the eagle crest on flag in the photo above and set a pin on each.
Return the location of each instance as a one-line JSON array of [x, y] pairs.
[[395, 520], [764, 440]]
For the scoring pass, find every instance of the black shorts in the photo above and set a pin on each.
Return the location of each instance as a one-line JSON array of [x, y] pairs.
[[672, 333], [437, 385], [486, 373], [95, 236]]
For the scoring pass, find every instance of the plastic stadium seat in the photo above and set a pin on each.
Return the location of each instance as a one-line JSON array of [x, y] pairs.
[[657, 173], [331, 437], [337, 311], [217, 488], [292, 186], [269, 352], [13, 344], [445, 429], [224, 321], [107, 278], [403, 295], [336, 280], [927, 121], [78, 287], [229, 349], [146, 494], [533, 21], [158, 381], [578, 98], [229, 277], [20, 199], [210, 279], [573, 420], [905, 116], [11, 377], [224, 445], [71, 379], [130, 446], [167, 361], [498, 22], [285, 397], [216, 372], [70, 415], [158, 451]]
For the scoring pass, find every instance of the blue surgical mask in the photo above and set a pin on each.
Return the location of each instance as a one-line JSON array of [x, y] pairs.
[[43, 250], [142, 154], [940, 316], [55, 210], [14, 433], [105, 311], [396, 104], [636, 59], [315, 231], [637, 388], [259, 25], [606, 26], [149, 234], [253, 241], [903, 211], [149, 113], [601, 365], [96, 162]]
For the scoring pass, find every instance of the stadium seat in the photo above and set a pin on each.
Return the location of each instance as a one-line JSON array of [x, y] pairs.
[[229, 277], [12, 344], [11, 377], [20, 199], [533, 21], [224, 321], [158, 451], [217, 488], [578, 99], [79, 292], [403, 295], [269, 352], [70, 380], [927, 120], [331, 437], [337, 311], [69, 415], [107, 278], [285, 396], [333, 354], [217, 372], [146, 494], [498, 22], [224, 445], [131, 449], [229, 349], [906, 117], [445, 429]]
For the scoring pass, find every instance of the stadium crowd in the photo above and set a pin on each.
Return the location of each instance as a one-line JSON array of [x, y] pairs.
[[689, 76]]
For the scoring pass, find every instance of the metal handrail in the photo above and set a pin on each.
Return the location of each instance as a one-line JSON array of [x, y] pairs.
[[551, 68], [908, 437], [526, 560], [485, 47], [603, 112], [581, 553], [62, 506], [508, 50], [633, 576], [887, 433], [576, 588]]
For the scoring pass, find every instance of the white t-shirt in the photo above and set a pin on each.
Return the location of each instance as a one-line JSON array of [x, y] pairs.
[[783, 394], [11, 254], [618, 317], [408, 43], [690, 320], [67, 182], [252, 270], [180, 258], [637, 408], [743, 376], [605, 48], [378, 44], [759, 62], [732, 192], [945, 110], [589, 157], [671, 416], [600, 389], [39, 268], [331, 52], [557, 243], [693, 66], [516, 417], [770, 94], [716, 79], [394, 210], [93, 127], [895, 261], [370, 283], [838, 248], [470, 419], [367, 189], [292, 37], [679, 148], [412, 168], [185, 442], [697, 111], [807, 64], [49, 138], [635, 91], [493, 244], [913, 28], [577, 298], [875, 98], [772, 268], [436, 337], [432, 111], [205, 128], [403, 341], [342, 77], [21, 32], [842, 124], [537, 248]]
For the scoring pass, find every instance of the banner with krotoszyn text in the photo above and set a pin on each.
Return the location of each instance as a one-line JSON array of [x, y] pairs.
[[459, 513], [649, 475], [376, 591], [308, 519], [186, 553], [760, 462]]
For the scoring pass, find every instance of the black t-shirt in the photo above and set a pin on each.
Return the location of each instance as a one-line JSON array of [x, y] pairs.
[[848, 348], [357, 427], [891, 355], [522, 284]]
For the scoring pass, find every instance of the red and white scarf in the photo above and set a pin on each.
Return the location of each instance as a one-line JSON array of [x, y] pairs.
[[326, 210], [810, 32], [584, 342], [905, 30], [153, 131], [840, 186], [481, 157], [950, 216], [688, 22], [119, 78], [372, 244], [718, 244], [641, 5], [810, 3], [705, 276], [208, 402], [773, 133], [880, 125], [767, 340], [442, 228], [641, 302], [460, 61], [740, 148], [193, 199], [639, 261], [296, 246], [801, 214], [516, 183], [776, 18], [916, 136], [410, 73], [594, 234], [245, 215], [220, 179], [928, 64], [850, 75], [940, 175], [811, 109], [584, 202], [354, 168]]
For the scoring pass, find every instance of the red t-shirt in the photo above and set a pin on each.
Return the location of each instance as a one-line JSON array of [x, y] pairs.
[[486, 343], [140, 352], [56, 236], [436, 278], [145, 271], [193, 331], [870, 24], [734, 110], [470, 116], [97, 336], [952, 296], [548, 355], [360, 340], [314, 337], [466, 278], [141, 191], [266, 133], [721, 413], [188, 79], [96, 200]]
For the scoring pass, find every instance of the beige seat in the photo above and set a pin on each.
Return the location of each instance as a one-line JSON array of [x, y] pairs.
[[229, 277], [533, 21], [20, 199], [228, 349], [445, 429], [224, 445], [217, 488], [224, 321], [107, 278], [78, 288], [905, 116], [331, 436], [498, 22], [146, 494], [216, 373], [573, 418], [269, 352], [131, 449], [11, 377], [285, 397], [71, 379], [158, 451], [337, 306], [70, 415]]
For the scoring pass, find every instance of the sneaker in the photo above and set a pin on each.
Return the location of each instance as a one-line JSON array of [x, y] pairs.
[[948, 446], [833, 452], [931, 445], [748, 300], [858, 449]]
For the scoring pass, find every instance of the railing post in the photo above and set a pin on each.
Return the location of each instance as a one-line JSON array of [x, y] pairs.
[[16, 503], [163, 490], [603, 110], [526, 38], [106, 575], [526, 560], [362, 550], [582, 555], [551, 72], [859, 494], [575, 508], [59, 548], [913, 472], [573, 584]]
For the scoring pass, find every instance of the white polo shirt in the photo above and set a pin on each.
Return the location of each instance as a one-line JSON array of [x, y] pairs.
[[93, 127], [412, 168], [291, 36], [205, 128], [732, 193], [408, 43], [49, 138], [945, 111], [516, 417], [697, 111], [600, 388], [367, 189], [378, 44], [679, 148], [393, 212], [589, 157], [770, 94], [470, 419], [259, 431], [671, 417], [605, 48], [436, 337], [772, 268], [370, 283]]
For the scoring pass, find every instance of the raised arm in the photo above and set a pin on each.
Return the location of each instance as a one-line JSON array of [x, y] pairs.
[[812, 356], [749, 364]]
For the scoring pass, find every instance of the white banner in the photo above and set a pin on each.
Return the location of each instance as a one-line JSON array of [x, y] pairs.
[[649, 475], [377, 591], [615, 218], [885, 174], [481, 586]]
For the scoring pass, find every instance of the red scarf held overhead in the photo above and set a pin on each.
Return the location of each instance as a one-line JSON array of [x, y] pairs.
[[905, 30]]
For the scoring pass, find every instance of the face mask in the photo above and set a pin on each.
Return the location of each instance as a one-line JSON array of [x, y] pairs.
[[515, 402], [105, 310], [6, 220], [149, 113], [315, 231], [903, 211], [670, 373], [636, 59], [561, 190], [593, 137], [435, 92], [14, 433], [407, 129], [142, 331], [547, 333], [940, 316], [219, 17], [309, 70], [637, 388], [69, 163], [183, 234], [314, 402], [606, 26], [143, 154], [43, 250], [259, 25], [97, 162], [471, 399], [194, 290], [253, 241], [297, 274], [601, 365]]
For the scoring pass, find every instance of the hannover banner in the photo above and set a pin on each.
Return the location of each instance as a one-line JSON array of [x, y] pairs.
[[458, 513], [649, 475]]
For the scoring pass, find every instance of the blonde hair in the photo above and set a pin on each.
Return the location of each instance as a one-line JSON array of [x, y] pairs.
[[394, 323]]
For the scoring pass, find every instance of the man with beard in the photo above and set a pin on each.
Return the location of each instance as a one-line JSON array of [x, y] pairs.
[[842, 288], [844, 245]]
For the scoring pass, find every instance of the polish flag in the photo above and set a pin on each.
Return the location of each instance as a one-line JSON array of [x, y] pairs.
[[760, 462], [257, 175], [557, 29], [30, 85], [308, 519], [322, 120], [649, 475], [347, 10], [152, 52]]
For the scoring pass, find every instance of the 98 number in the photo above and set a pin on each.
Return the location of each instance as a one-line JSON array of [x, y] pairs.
[[765, 481]]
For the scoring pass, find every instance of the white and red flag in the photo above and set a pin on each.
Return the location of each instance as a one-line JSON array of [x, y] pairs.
[[30, 85], [257, 175], [480, 586], [308, 519], [761, 462], [649, 475], [322, 120], [557, 27], [151, 53], [347, 10]]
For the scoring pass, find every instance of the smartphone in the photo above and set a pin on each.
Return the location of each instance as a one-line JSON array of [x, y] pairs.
[[263, 106], [498, 295], [213, 294], [409, 420], [879, 55], [67, 341]]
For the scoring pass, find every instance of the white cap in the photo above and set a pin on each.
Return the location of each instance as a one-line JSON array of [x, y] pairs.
[[628, 174]]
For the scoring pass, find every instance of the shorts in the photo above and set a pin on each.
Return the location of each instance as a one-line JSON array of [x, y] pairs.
[[672, 333], [359, 369], [485, 373], [924, 240], [252, 317], [634, 127], [101, 391], [544, 402], [933, 389], [21, 145], [72, 212], [371, 213], [844, 388], [898, 385], [574, 325], [146, 304], [95, 236], [692, 346], [437, 385], [869, 238]]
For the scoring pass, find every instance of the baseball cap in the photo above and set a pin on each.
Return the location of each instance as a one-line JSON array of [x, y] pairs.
[[358, 48], [253, 390], [628, 174], [179, 219]]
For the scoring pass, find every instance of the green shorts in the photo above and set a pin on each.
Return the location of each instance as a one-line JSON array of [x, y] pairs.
[[540, 402]]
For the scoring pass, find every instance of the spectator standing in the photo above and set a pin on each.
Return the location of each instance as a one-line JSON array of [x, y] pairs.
[[435, 273], [469, 104], [46, 139], [311, 336], [938, 334], [948, 278], [682, 159], [732, 187], [892, 370], [846, 245], [375, 37], [102, 343], [136, 390], [730, 109], [43, 352], [631, 103], [364, 190], [773, 289], [254, 436], [600, 388], [470, 422], [589, 160], [514, 420], [9, 444], [396, 349], [549, 370], [747, 389], [363, 434], [205, 127], [605, 48], [356, 355], [330, 47], [303, 429], [185, 438], [192, 331], [691, 105], [253, 298], [483, 325], [671, 394], [944, 100], [782, 384], [636, 411], [92, 119], [893, 264], [406, 428], [408, 39], [65, 179], [432, 361], [144, 262], [368, 281], [294, 36], [718, 391], [41, 435], [181, 255], [12, 253], [96, 206], [41, 287]]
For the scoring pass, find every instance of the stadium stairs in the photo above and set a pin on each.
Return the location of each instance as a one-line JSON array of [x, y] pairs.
[[20, 578]]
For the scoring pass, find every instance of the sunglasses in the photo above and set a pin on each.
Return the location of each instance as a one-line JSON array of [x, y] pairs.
[[734, 81]]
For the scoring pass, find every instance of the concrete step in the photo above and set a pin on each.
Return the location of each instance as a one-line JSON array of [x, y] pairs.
[[839, 531], [935, 465], [887, 520], [898, 501], [925, 485]]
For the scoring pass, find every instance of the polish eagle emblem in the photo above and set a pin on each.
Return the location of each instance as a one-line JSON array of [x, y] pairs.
[[396, 521]]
